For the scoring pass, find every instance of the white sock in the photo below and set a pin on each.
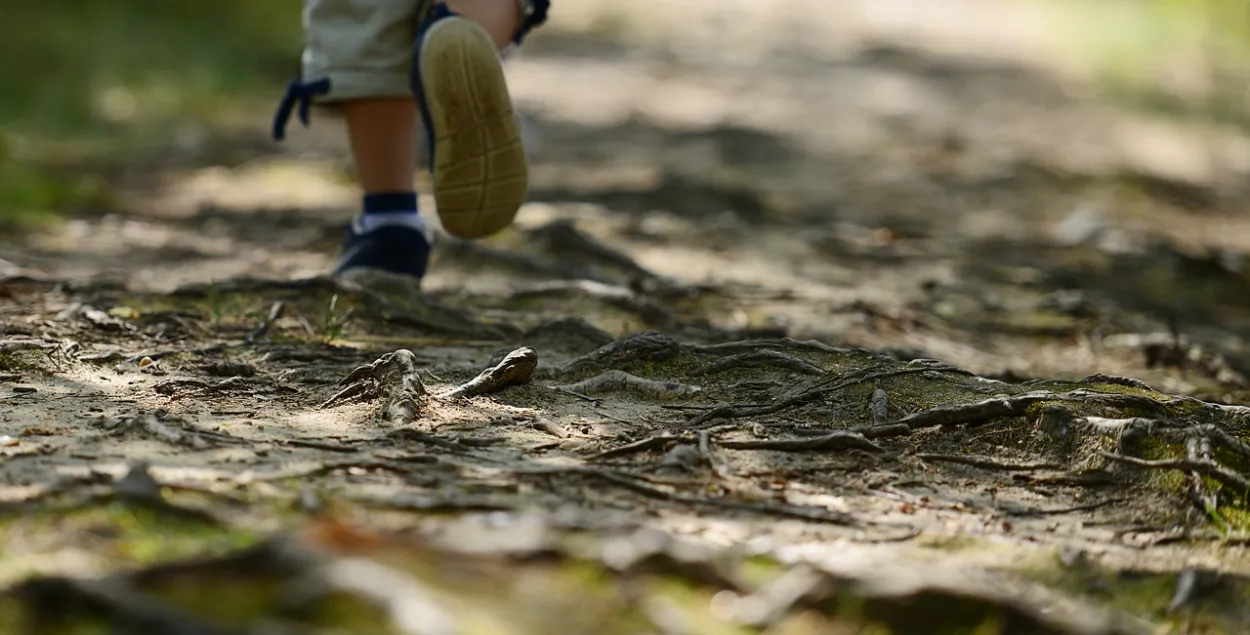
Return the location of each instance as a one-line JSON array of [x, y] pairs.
[[366, 223]]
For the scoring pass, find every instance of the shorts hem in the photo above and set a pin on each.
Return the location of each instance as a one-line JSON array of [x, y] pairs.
[[352, 85]]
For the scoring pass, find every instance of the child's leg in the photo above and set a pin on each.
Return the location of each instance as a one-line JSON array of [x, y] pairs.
[[382, 134], [359, 56], [500, 18]]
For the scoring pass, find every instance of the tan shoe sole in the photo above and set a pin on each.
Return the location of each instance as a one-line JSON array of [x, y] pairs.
[[480, 171]]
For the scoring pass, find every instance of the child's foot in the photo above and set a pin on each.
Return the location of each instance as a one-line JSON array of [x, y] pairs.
[[397, 249], [476, 157], [388, 235]]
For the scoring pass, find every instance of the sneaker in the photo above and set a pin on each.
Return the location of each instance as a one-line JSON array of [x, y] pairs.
[[476, 155], [394, 248]]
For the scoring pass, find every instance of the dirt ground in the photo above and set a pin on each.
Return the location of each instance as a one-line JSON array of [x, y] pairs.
[[828, 331]]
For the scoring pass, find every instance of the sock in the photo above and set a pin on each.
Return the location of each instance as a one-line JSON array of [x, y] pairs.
[[388, 209]]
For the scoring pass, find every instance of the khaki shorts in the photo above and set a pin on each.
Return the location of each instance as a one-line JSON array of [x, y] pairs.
[[363, 46]]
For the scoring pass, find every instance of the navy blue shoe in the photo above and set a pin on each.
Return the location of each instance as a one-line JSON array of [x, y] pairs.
[[394, 248]]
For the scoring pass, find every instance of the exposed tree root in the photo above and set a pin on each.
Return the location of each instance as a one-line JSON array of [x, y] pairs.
[[764, 357], [879, 406], [883, 431], [818, 514], [564, 238], [808, 395], [996, 408], [567, 334], [1238, 482], [643, 445], [160, 426], [648, 346], [319, 468], [623, 298], [988, 463], [838, 440], [235, 385], [314, 444], [620, 381], [393, 376], [784, 343], [516, 368]]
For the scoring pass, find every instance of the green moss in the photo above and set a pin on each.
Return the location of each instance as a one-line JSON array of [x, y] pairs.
[[31, 360]]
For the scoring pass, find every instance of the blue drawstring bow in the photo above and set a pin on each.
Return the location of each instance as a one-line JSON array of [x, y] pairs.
[[297, 93]]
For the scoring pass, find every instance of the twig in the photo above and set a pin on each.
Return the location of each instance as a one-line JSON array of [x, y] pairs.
[[988, 463], [578, 395]]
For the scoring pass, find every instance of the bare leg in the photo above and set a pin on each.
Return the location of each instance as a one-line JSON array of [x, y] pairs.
[[382, 132], [500, 18]]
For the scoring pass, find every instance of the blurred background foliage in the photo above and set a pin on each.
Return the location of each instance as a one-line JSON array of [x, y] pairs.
[[94, 81], [1188, 58]]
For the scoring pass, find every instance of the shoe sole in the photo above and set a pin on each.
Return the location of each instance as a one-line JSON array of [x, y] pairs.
[[480, 171]]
